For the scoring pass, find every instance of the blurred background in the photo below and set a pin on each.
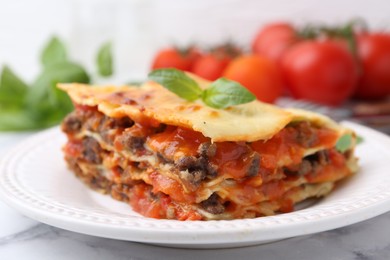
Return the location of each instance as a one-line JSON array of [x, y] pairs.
[[137, 29]]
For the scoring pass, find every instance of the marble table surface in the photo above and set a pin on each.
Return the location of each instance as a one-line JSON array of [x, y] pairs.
[[24, 238]]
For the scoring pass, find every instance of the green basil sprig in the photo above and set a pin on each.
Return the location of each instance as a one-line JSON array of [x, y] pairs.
[[221, 93], [104, 60], [346, 141], [12, 90], [39, 104]]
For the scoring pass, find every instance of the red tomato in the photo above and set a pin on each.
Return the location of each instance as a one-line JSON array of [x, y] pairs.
[[259, 75], [174, 58], [210, 66], [273, 40], [374, 53], [320, 71]]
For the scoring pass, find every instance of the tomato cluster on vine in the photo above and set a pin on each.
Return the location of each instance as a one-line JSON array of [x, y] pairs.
[[327, 65]]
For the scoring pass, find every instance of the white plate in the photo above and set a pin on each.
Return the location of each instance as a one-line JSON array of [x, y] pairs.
[[34, 180]]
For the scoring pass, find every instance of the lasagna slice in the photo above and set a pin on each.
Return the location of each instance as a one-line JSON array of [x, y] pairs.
[[173, 159]]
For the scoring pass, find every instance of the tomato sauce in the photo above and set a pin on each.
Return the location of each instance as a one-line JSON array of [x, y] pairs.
[[137, 130], [73, 148], [273, 190], [84, 107], [333, 171], [143, 204], [177, 139], [171, 187], [283, 147], [246, 194], [326, 137], [232, 159], [158, 206]]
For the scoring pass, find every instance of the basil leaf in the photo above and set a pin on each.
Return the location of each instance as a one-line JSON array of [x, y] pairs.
[[177, 82], [359, 139], [344, 143], [48, 104], [17, 121], [65, 72], [223, 93], [12, 90], [104, 60], [54, 52]]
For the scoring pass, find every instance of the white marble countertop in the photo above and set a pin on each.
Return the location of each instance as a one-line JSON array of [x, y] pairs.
[[23, 238]]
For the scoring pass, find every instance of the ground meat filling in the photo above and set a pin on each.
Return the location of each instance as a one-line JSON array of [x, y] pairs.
[[120, 192], [305, 134], [254, 167], [112, 123], [162, 159], [91, 151], [130, 142], [207, 150], [72, 123], [93, 178], [310, 163], [213, 205], [192, 169], [305, 167], [195, 169], [93, 121]]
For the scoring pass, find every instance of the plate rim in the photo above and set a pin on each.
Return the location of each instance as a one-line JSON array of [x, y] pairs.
[[202, 236]]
